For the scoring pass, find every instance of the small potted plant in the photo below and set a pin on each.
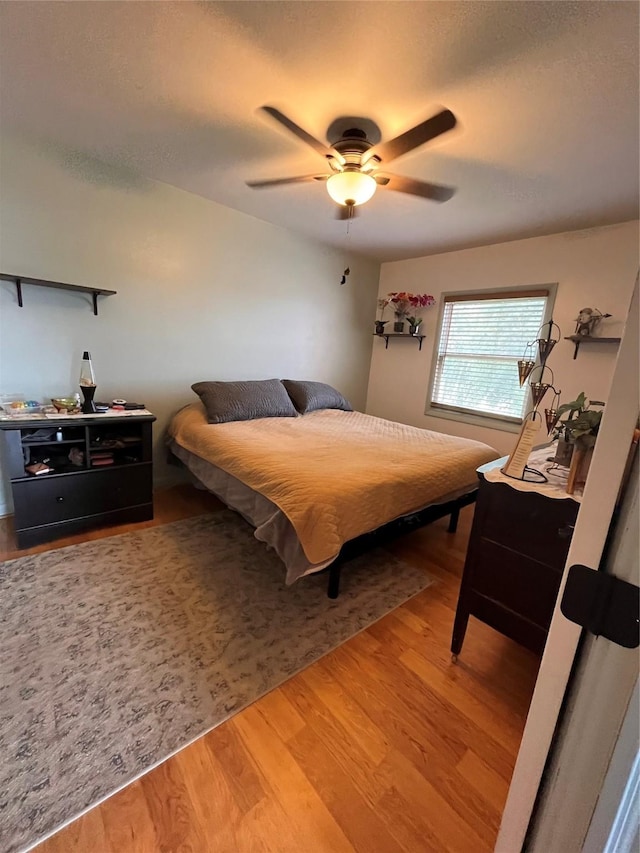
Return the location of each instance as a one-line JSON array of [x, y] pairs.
[[414, 324], [380, 324], [576, 436]]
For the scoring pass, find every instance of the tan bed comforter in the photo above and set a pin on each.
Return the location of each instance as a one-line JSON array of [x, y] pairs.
[[335, 474]]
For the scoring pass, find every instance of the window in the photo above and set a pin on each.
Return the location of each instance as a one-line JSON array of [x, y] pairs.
[[482, 336]]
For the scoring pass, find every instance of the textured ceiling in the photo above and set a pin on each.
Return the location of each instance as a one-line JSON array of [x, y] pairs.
[[546, 96]]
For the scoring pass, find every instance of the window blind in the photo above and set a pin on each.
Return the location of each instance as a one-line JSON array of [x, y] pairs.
[[481, 340]]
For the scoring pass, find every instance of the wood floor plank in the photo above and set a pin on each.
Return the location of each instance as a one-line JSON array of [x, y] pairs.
[[87, 833], [471, 809], [492, 787], [265, 829], [381, 746], [355, 813], [452, 833], [505, 670], [359, 727], [436, 764], [218, 814], [406, 725], [406, 824], [127, 821], [445, 716], [422, 711], [282, 715], [174, 816], [493, 720], [356, 762], [308, 815], [483, 679], [242, 777]]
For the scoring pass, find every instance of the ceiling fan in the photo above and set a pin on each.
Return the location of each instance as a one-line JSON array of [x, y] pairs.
[[354, 161]]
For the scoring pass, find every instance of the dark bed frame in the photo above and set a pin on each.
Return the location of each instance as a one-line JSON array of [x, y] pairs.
[[399, 527]]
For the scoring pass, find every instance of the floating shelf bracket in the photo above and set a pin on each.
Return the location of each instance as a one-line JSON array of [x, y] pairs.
[[588, 339], [19, 280], [388, 335]]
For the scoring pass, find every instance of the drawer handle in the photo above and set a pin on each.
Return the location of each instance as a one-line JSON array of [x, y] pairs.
[[60, 500], [566, 531]]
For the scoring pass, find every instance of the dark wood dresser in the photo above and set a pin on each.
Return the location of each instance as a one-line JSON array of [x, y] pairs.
[[517, 551], [101, 473]]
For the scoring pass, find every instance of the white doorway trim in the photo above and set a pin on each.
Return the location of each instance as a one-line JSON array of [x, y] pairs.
[[587, 545]]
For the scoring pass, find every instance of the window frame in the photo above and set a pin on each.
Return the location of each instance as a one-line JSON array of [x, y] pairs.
[[489, 421]]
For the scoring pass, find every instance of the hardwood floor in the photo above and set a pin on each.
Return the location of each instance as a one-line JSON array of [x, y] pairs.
[[382, 746]]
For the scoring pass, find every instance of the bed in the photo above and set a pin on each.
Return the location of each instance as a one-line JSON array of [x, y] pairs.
[[317, 480]]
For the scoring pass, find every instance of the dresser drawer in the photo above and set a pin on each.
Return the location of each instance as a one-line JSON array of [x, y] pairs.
[[527, 522], [87, 493], [518, 583]]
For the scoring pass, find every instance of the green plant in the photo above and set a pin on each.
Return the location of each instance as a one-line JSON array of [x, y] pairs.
[[582, 423]]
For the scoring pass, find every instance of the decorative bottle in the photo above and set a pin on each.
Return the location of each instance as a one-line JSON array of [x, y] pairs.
[[87, 384]]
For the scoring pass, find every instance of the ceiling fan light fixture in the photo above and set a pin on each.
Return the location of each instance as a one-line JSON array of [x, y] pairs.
[[351, 188]]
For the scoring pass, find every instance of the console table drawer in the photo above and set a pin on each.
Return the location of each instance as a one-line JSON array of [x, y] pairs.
[[517, 582], [529, 523], [86, 493]]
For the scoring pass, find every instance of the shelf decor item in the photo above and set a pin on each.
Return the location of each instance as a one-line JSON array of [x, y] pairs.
[[576, 436], [540, 380], [526, 364], [87, 384], [405, 306], [588, 320], [66, 405], [586, 323], [381, 323]]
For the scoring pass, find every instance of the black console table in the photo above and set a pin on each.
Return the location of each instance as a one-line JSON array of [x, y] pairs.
[[517, 550], [101, 473]]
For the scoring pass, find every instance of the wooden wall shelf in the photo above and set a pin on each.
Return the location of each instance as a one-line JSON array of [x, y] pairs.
[[587, 339], [19, 280], [388, 335]]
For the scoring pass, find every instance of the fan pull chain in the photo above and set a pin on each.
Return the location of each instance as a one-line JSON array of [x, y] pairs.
[[346, 272]]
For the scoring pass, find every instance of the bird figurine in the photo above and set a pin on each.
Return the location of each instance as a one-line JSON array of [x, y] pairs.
[[587, 320]]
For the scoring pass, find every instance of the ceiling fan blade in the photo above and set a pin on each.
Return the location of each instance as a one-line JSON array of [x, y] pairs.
[[275, 182], [415, 137], [292, 127], [434, 192]]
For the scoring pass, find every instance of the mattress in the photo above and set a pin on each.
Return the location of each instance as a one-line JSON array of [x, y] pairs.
[[330, 475]]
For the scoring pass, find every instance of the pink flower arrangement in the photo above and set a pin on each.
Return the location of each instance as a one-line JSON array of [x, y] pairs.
[[406, 304]]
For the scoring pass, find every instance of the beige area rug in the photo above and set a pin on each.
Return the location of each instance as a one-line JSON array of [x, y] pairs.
[[117, 653]]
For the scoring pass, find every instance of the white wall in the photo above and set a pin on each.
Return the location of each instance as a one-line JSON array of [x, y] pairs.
[[203, 292], [595, 268]]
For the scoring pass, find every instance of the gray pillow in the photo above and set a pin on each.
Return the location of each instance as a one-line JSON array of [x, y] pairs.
[[244, 401], [309, 396]]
